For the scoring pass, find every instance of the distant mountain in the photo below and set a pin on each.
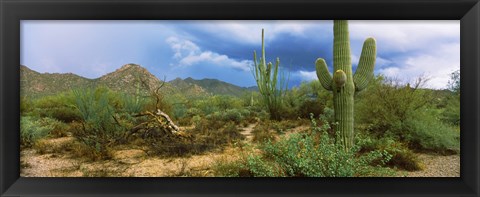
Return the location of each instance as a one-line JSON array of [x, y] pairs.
[[209, 86], [125, 79], [188, 89], [130, 76], [33, 83]]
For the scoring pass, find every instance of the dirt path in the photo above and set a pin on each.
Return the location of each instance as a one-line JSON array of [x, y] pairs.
[[247, 132], [437, 166]]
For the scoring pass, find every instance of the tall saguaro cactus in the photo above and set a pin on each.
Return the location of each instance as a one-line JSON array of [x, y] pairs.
[[266, 76], [343, 84]]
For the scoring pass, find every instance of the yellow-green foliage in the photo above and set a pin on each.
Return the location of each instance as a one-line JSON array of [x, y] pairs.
[[311, 154], [32, 129], [59, 106], [99, 124]]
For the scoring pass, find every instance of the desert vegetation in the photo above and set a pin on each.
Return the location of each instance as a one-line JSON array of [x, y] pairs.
[[150, 128]]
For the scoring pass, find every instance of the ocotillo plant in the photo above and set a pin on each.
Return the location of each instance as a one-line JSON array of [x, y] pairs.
[[267, 82], [343, 84]]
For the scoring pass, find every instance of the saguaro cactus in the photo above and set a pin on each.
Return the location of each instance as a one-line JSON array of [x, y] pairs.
[[343, 84], [266, 76]]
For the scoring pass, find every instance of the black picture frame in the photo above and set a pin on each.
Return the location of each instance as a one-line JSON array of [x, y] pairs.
[[12, 11]]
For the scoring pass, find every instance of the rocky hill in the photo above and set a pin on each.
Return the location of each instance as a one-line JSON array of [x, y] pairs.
[[132, 76], [210, 86], [33, 83], [125, 79]]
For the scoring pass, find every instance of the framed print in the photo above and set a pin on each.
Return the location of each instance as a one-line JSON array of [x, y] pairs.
[[247, 98]]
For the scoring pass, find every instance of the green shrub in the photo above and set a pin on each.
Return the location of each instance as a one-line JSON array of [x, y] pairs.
[[31, 130], [312, 154], [99, 125], [405, 113], [65, 114], [133, 104], [58, 128], [308, 98], [399, 156], [26, 105], [387, 104], [262, 132], [451, 113], [425, 132], [60, 106]]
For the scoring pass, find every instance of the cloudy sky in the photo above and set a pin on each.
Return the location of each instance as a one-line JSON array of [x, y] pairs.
[[224, 49]]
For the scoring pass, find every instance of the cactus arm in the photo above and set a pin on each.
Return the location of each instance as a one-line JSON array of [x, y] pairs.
[[323, 74], [366, 64]]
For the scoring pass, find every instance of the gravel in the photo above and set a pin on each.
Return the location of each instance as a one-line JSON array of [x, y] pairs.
[[437, 166]]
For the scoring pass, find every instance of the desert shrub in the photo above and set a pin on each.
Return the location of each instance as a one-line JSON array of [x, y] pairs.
[[426, 133], [262, 132], [451, 112], [191, 112], [314, 106], [399, 156], [26, 105], [228, 134], [31, 130], [387, 103], [58, 128], [285, 125], [217, 103], [202, 124], [179, 112], [252, 166], [257, 114], [229, 115], [60, 106], [312, 154], [63, 113], [200, 139], [132, 104], [99, 125], [308, 98], [84, 151], [224, 134], [405, 113]]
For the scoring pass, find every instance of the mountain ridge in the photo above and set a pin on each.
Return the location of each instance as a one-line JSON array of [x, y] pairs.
[[125, 79]]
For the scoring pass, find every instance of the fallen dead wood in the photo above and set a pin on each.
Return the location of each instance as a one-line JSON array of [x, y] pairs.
[[159, 121]]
